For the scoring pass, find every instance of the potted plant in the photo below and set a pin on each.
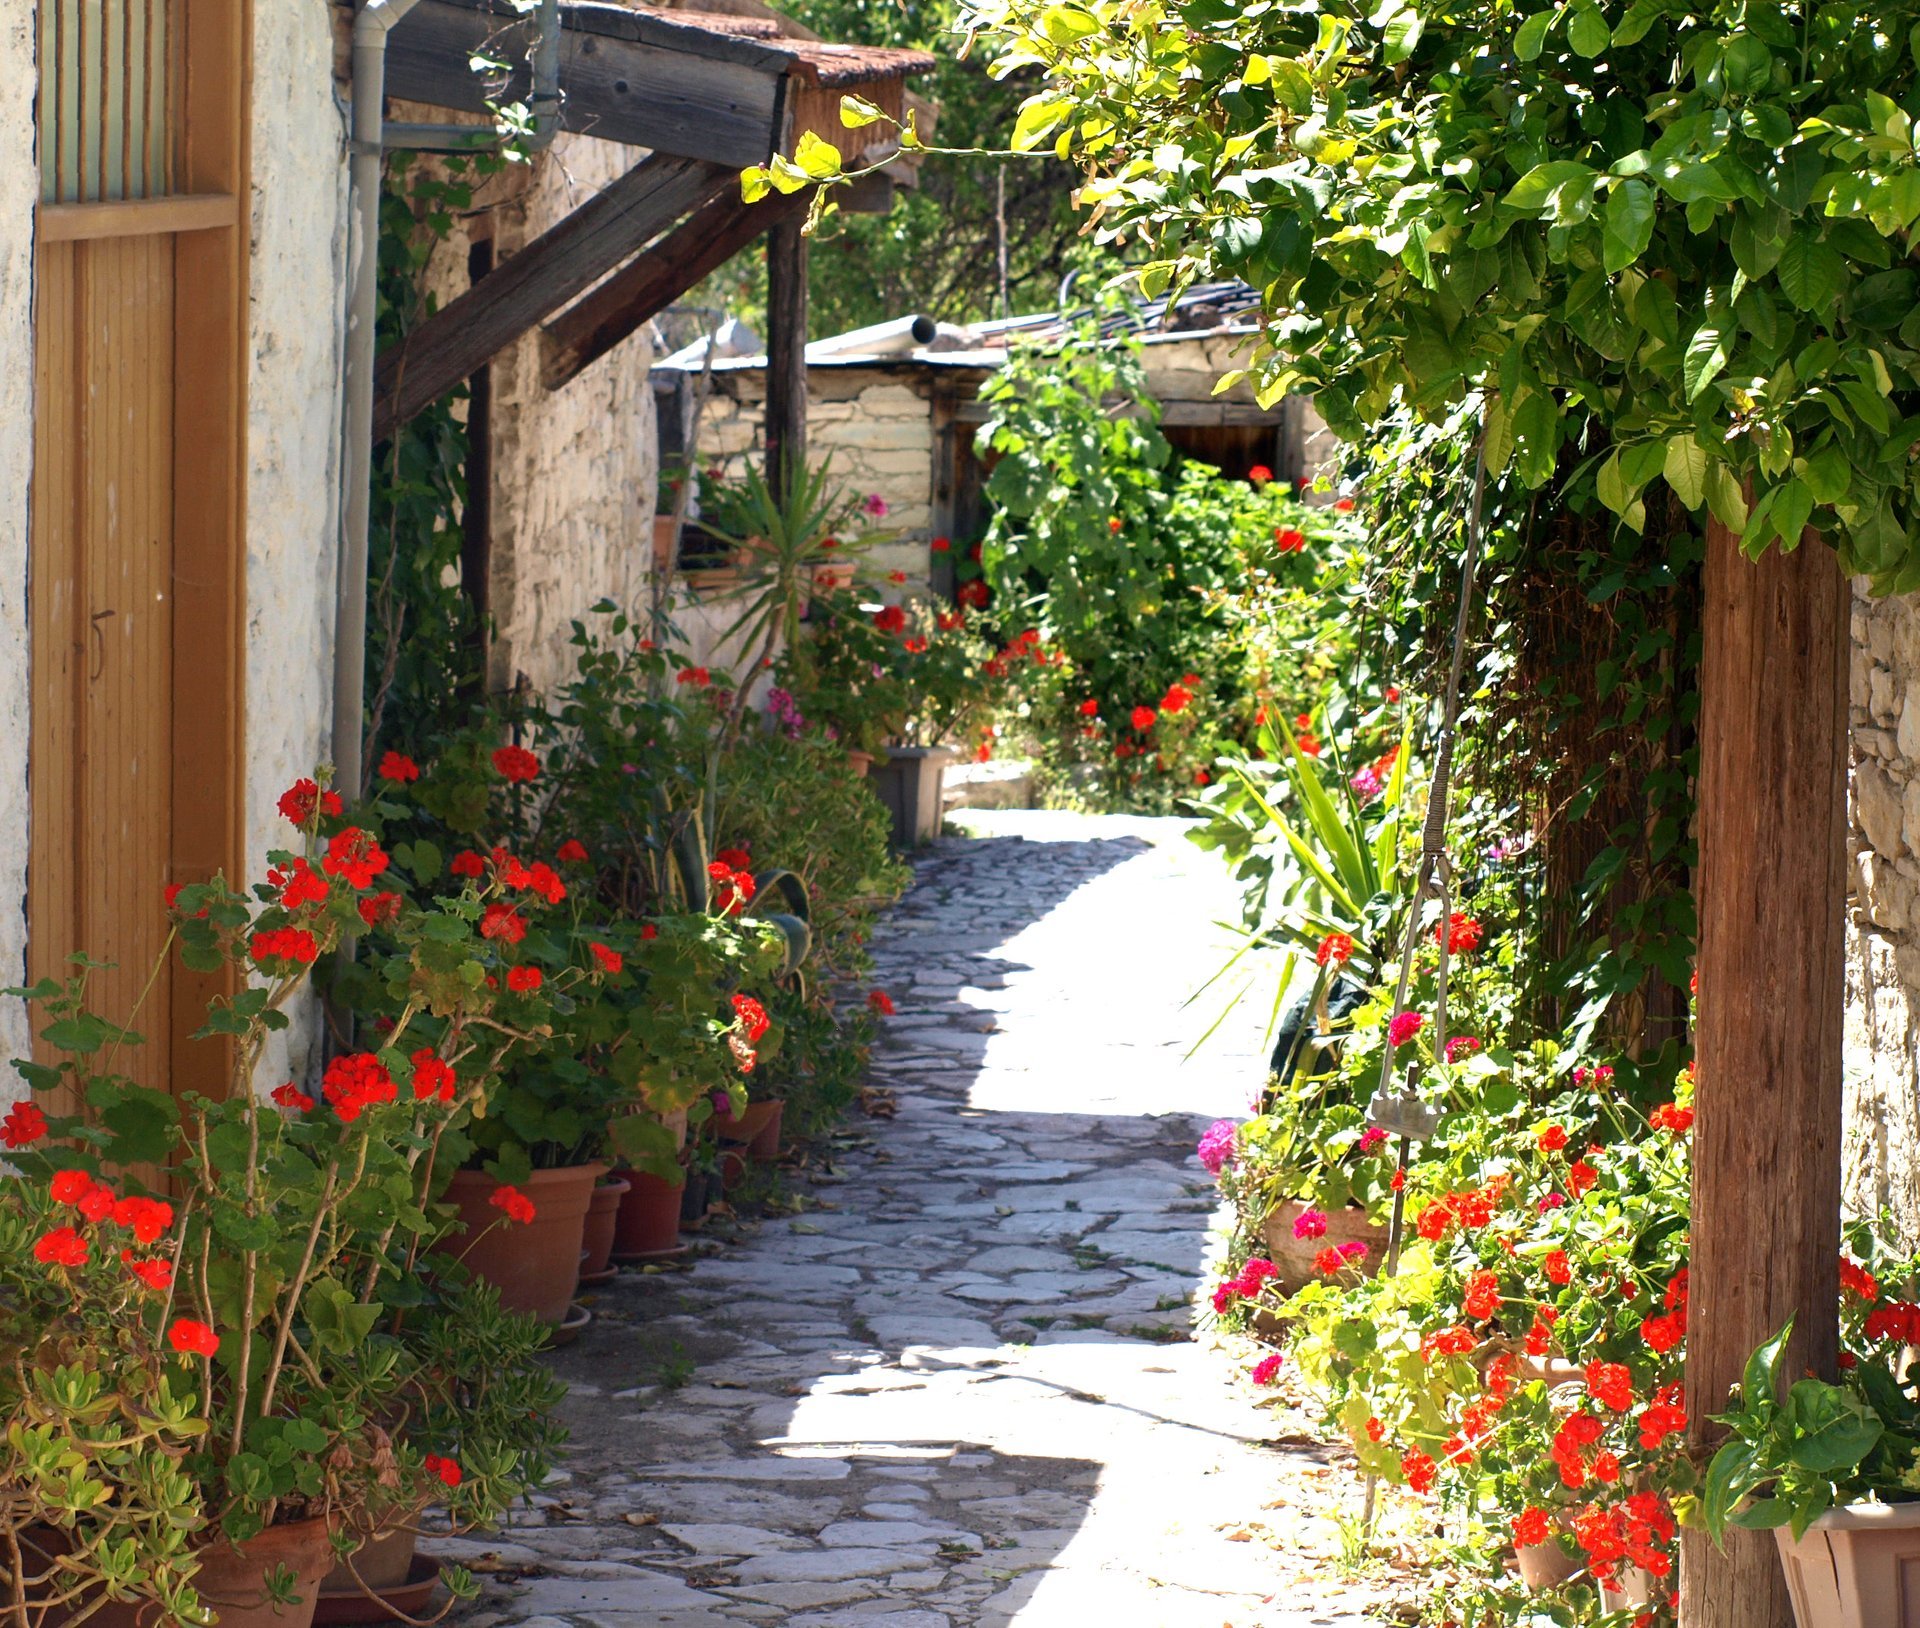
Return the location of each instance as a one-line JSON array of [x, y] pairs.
[[229, 1350], [1828, 1469]]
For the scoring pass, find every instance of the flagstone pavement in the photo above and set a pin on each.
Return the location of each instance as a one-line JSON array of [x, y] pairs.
[[961, 1388]]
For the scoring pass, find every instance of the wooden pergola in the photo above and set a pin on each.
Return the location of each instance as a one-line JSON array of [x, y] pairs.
[[707, 96]]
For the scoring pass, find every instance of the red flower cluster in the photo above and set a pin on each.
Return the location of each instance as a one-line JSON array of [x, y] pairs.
[[515, 763], [291, 1097], [302, 885], [1461, 934], [1672, 1118], [1897, 1320], [1540, 1335], [355, 1082], [524, 980], [1336, 948], [398, 768], [1404, 1027], [24, 1125], [467, 863], [1577, 1433], [1636, 1531], [444, 1468], [1580, 1177], [1288, 539], [61, 1247], [1334, 1257], [1530, 1528], [1552, 1139], [379, 907], [513, 1204], [1665, 1331], [1419, 1470], [1482, 1297], [974, 594], [880, 1003], [1610, 1384], [612, 962], [1142, 718], [698, 677], [192, 1339], [1447, 1342], [1855, 1279], [890, 619], [732, 889], [1664, 1416], [1471, 1208], [503, 922], [753, 1017], [1089, 708], [300, 801], [433, 1077], [1176, 699], [156, 1275], [571, 852], [354, 856], [290, 946]]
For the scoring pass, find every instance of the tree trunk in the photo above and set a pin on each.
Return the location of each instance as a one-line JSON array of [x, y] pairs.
[[1766, 1172]]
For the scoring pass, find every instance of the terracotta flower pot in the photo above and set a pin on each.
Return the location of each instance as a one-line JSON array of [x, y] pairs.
[[1294, 1256], [383, 1561], [603, 1214], [751, 1127], [535, 1265], [648, 1222], [765, 1143], [233, 1580], [1855, 1567], [1546, 1565], [733, 1169], [859, 763]]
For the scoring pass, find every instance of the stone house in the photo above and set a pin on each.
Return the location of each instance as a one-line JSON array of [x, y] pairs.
[[896, 407]]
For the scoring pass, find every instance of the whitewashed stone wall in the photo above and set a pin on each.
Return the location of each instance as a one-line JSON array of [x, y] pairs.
[[1882, 1148], [19, 189]]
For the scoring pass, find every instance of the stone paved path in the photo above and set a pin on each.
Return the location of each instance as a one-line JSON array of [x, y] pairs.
[[959, 1389]]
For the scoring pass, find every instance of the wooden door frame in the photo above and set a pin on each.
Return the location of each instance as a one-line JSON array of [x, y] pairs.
[[209, 214]]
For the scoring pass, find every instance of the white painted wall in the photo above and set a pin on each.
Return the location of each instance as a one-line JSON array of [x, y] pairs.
[[19, 189]]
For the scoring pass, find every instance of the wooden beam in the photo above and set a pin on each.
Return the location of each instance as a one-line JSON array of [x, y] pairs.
[[551, 270], [706, 240], [624, 76], [1766, 1157], [134, 217], [786, 353]]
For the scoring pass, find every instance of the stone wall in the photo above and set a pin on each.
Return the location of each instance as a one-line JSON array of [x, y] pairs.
[[574, 470], [875, 424], [19, 189], [1882, 1148]]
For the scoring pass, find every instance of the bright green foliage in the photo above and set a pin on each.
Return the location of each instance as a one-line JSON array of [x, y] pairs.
[[1668, 243]]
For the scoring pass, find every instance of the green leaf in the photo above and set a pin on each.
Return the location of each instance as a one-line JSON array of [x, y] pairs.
[[1686, 469], [857, 112], [1538, 186], [1811, 273], [1706, 357], [1038, 117], [1725, 500], [1587, 31], [1832, 1430], [1629, 224], [1402, 35], [1066, 24], [818, 157], [1531, 35], [1609, 485], [1756, 1381], [1729, 1476], [754, 183]]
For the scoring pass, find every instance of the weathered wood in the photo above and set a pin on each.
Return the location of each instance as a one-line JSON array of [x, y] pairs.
[[712, 235], [786, 352], [624, 76], [551, 270], [1766, 1171]]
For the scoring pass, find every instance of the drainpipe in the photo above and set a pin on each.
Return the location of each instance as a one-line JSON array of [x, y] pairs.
[[370, 137]]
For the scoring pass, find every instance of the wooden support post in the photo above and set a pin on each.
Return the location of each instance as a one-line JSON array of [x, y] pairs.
[[1772, 888], [786, 353]]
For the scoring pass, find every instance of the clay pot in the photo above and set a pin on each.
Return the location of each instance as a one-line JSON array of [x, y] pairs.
[[382, 1562], [693, 1201], [859, 763], [764, 1145], [1546, 1565], [648, 1222], [1854, 1567], [233, 1580], [535, 1265], [733, 1169], [603, 1214], [1294, 1256], [752, 1126]]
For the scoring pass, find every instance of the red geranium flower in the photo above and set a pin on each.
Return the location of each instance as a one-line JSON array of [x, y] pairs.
[[399, 768], [192, 1339], [1611, 1385], [24, 1125], [753, 1017], [145, 1218], [156, 1275], [1552, 1139], [355, 856], [1482, 1298], [356, 1082], [513, 1204], [1580, 1176], [1143, 718], [503, 922], [1259, 474], [524, 980], [1089, 708], [1557, 1267], [291, 1096], [1176, 698], [613, 962], [1288, 539], [71, 1186], [698, 677], [1335, 948], [605, 955], [974, 594], [890, 619], [880, 1002], [515, 763], [61, 1247], [1343, 505], [1461, 934], [299, 886], [293, 945], [444, 1468], [940, 545], [432, 1076], [1530, 1528], [299, 801], [1672, 1118], [571, 852], [380, 907]]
